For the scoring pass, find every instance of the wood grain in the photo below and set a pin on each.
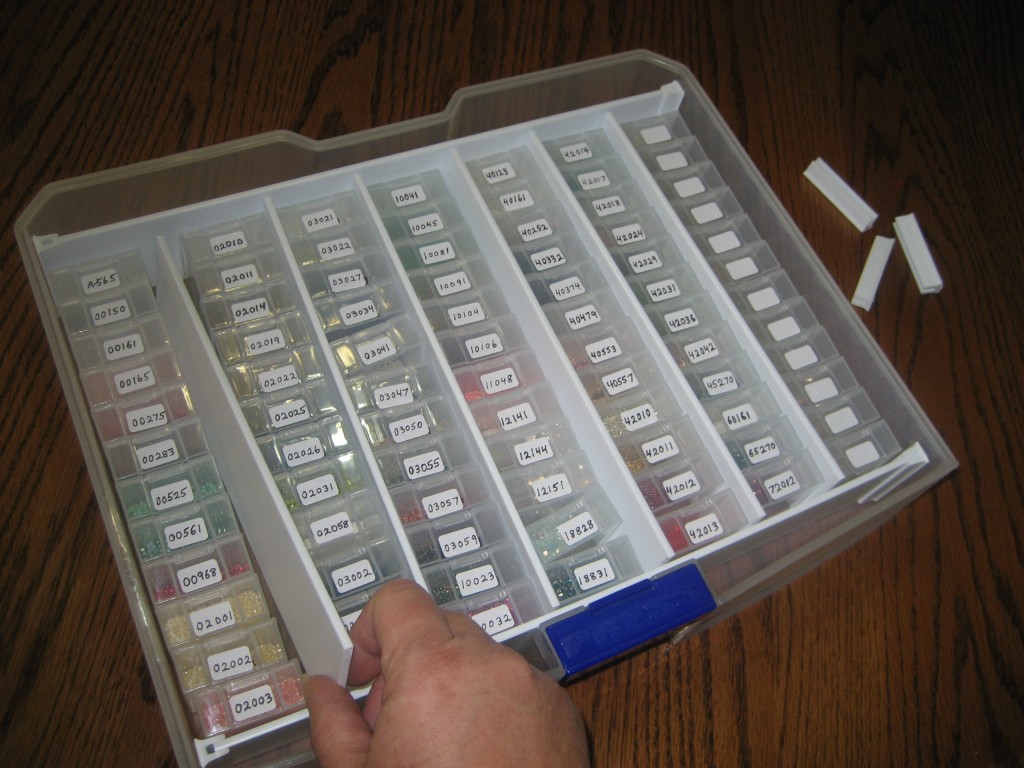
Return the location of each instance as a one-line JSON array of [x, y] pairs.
[[906, 649]]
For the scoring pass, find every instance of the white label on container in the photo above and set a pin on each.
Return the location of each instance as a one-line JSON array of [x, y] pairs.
[[422, 225], [660, 449], [572, 153], [645, 262], [318, 220], [185, 533], [442, 503], [761, 300], [593, 180], [353, 576], [123, 346], [741, 416], [702, 350], [476, 580], [577, 528], [681, 320], [227, 664], [172, 495], [393, 394], [680, 486], [423, 465], [232, 241], [458, 542], [820, 390], [348, 280], [532, 230], [551, 487], [237, 277], [145, 418], [862, 454], [618, 381], [533, 451], [338, 248], [762, 450], [639, 417], [482, 346], [566, 289], [267, 341], [437, 253], [157, 454], [663, 290], [409, 428], [741, 268], [408, 195], [689, 187], [200, 575], [604, 349], [630, 233], [801, 357], [594, 574], [672, 161], [332, 527], [548, 258], [212, 618], [100, 281], [655, 134], [317, 489], [516, 416], [110, 312], [252, 703], [499, 381], [357, 312], [720, 383], [513, 201], [286, 414], [303, 451], [350, 619], [582, 317], [784, 328], [277, 378], [500, 172], [782, 485], [703, 528], [253, 309], [465, 314], [496, 619], [727, 241], [453, 283], [841, 420], [378, 349], [607, 206], [702, 214]]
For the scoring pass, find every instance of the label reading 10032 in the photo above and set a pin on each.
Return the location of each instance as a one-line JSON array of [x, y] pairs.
[[252, 703], [353, 576], [200, 575], [496, 619]]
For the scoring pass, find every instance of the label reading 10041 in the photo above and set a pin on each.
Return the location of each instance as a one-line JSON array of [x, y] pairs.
[[212, 618], [353, 576], [252, 703], [200, 575]]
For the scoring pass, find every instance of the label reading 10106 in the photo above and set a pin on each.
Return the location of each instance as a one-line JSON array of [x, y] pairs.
[[252, 703], [212, 618], [230, 663], [353, 576]]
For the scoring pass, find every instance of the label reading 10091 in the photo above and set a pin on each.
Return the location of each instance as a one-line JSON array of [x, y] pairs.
[[252, 703]]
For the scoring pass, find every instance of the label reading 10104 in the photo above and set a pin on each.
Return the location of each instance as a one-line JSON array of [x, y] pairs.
[[252, 703]]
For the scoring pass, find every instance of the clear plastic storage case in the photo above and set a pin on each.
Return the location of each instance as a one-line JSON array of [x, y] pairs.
[[558, 354]]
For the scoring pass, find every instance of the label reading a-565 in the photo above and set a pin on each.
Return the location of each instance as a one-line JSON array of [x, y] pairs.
[[100, 281]]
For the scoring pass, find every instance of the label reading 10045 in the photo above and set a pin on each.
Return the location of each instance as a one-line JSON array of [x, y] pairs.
[[185, 533], [200, 575], [212, 618], [252, 703], [353, 576], [782, 485], [230, 663]]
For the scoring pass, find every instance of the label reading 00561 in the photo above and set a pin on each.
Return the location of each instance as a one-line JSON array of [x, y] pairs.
[[185, 533]]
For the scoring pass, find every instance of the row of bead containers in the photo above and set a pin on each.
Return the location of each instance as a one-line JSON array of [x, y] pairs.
[[227, 649]]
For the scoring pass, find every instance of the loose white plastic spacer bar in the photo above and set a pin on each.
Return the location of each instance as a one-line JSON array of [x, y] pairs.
[[867, 286], [841, 195], [922, 264]]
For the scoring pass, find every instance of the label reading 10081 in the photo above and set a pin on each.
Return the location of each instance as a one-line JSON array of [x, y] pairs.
[[253, 703]]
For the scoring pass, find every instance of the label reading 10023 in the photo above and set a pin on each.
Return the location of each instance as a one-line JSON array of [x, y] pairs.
[[475, 580]]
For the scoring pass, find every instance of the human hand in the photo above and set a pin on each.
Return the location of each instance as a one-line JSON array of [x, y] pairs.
[[443, 694]]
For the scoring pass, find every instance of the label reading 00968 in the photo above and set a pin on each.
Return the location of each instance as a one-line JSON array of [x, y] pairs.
[[200, 575]]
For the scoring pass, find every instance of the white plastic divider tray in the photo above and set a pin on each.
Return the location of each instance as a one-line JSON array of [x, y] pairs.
[[578, 376]]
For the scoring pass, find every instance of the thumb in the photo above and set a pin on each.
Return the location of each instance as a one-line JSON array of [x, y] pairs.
[[341, 736]]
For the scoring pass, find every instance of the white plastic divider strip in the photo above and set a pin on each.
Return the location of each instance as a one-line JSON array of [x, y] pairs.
[[323, 644], [497, 486], [650, 544], [919, 256], [841, 194], [871, 276], [632, 308], [819, 453], [355, 432]]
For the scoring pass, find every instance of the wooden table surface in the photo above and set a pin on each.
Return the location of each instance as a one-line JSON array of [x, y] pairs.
[[905, 649]]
